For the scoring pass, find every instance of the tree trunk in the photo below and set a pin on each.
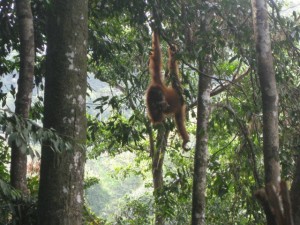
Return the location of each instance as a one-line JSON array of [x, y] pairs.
[[269, 91], [60, 200], [269, 97], [157, 171], [203, 113], [201, 151], [18, 170], [25, 85]]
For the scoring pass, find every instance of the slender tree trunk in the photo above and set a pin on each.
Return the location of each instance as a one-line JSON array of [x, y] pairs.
[[201, 151], [267, 79], [157, 171], [269, 91], [60, 199], [269, 97], [203, 114], [18, 170], [25, 85]]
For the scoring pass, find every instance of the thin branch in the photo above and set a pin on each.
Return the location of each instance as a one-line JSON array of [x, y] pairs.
[[225, 147], [226, 86], [245, 133]]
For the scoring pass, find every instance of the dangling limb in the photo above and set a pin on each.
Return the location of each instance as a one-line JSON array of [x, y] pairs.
[[180, 123], [180, 113]]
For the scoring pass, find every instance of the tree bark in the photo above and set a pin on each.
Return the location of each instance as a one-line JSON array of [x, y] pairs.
[[268, 87], [60, 200], [157, 170], [269, 91], [18, 169], [201, 151], [269, 97], [25, 85], [203, 114]]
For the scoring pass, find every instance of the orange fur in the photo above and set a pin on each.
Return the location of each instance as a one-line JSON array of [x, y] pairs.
[[162, 100]]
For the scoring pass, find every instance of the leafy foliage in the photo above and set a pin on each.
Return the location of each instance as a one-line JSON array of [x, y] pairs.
[[25, 133], [136, 211]]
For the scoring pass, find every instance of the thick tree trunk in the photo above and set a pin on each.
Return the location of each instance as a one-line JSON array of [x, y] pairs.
[[269, 97], [158, 156], [201, 151], [18, 170], [61, 184]]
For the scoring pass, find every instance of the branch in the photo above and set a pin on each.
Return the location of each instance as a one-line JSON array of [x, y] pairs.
[[226, 86], [245, 133], [223, 87], [200, 72]]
